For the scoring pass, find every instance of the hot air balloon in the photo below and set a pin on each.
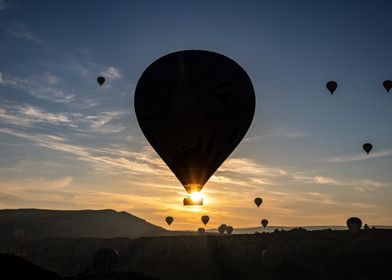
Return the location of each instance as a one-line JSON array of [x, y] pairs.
[[354, 224], [229, 230], [366, 227], [264, 222], [258, 201], [169, 220], [205, 219], [201, 231], [101, 80], [367, 147], [387, 85], [332, 86], [194, 107], [222, 228]]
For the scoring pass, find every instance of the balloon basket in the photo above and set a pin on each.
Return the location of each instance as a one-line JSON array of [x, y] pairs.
[[189, 202]]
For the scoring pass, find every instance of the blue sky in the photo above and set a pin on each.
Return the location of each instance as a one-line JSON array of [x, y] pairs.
[[67, 143]]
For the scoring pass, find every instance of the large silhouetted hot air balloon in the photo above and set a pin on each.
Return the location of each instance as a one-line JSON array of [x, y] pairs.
[[229, 230], [101, 80], [205, 219], [258, 201], [367, 147], [332, 86], [387, 85], [169, 220], [264, 222], [194, 107], [354, 224]]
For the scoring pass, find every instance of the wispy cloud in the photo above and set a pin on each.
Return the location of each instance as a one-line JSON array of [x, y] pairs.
[[110, 160], [112, 73], [250, 167], [27, 116], [318, 180], [5, 4], [278, 132], [40, 86], [20, 30], [359, 156]]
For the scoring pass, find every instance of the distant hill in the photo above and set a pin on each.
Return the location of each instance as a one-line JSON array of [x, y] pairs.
[[39, 224]]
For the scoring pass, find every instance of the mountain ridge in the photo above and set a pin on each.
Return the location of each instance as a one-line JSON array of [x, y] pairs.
[[44, 223]]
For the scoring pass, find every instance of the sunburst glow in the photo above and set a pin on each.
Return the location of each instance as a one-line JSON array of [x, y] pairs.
[[196, 196]]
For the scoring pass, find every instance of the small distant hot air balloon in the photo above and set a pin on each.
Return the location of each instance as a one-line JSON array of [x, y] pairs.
[[169, 220], [101, 80], [332, 86], [194, 107], [201, 231], [367, 147], [264, 222], [222, 228], [205, 219], [229, 230], [366, 227], [258, 201], [387, 85], [354, 224]]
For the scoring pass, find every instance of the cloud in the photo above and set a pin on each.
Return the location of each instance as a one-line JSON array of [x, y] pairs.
[[112, 73], [318, 180], [39, 86], [246, 166], [21, 31], [4, 4], [276, 133], [109, 160], [359, 157], [27, 116]]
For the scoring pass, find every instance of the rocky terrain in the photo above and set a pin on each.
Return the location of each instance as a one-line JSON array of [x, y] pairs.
[[295, 254]]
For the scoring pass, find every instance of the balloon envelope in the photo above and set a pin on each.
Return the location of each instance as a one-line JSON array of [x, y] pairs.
[[194, 107], [101, 80], [332, 86], [169, 220], [387, 85], [222, 228], [229, 230], [201, 231], [354, 224], [264, 222], [258, 201], [367, 147], [205, 219]]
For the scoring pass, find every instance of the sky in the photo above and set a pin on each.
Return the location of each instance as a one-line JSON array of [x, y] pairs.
[[66, 143]]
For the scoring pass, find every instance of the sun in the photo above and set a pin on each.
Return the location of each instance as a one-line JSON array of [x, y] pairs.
[[196, 196]]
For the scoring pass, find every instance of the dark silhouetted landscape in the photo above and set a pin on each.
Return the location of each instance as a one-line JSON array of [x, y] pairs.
[[149, 254]]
